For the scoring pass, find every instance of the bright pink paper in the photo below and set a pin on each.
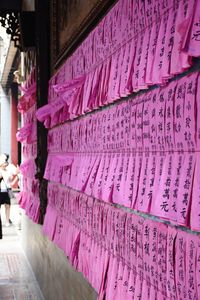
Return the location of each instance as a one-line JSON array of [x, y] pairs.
[[180, 271]]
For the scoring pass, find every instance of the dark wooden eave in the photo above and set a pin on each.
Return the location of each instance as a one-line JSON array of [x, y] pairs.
[[10, 5]]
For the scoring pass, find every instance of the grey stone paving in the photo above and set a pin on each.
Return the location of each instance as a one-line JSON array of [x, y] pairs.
[[17, 281]]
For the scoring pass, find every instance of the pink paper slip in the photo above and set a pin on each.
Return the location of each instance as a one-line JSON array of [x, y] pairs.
[[59, 233], [160, 119], [119, 74], [162, 259], [92, 177], [139, 265], [185, 189], [115, 64], [88, 167], [180, 271], [185, 30], [127, 242], [177, 163], [141, 204], [197, 273], [191, 266], [124, 290], [150, 232], [50, 222], [169, 116], [149, 184], [179, 114], [144, 56], [125, 82], [154, 185], [197, 104], [99, 177], [129, 183], [135, 182], [192, 46], [146, 121], [153, 119], [162, 197], [156, 75], [132, 138], [117, 184], [131, 285], [171, 283], [190, 112], [195, 194], [107, 190], [112, 281], [123, 186], [169, 41], [137, 62], [108, 163], [119, 289], [178, 40], [152, 50]]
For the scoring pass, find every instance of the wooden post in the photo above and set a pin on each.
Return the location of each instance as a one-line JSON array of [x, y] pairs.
[[42, 77]]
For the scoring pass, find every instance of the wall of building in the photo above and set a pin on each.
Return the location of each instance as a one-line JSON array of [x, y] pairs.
[[56, 277], [14, 124], [4, 122]]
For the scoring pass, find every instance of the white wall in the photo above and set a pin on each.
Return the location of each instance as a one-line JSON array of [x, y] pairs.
[[4, 122], [4, 99]]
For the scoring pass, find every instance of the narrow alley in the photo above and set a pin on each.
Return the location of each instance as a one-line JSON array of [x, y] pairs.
[[17, 281]]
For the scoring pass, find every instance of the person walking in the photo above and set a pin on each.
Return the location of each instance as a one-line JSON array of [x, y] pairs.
[[7, 174]]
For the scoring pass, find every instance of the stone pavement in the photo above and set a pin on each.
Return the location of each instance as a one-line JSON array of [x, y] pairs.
[[17, 281]]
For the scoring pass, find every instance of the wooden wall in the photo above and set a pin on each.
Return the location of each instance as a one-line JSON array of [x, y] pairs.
[[71, 22]]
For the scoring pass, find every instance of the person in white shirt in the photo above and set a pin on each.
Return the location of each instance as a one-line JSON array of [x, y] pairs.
[[7, 174]]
